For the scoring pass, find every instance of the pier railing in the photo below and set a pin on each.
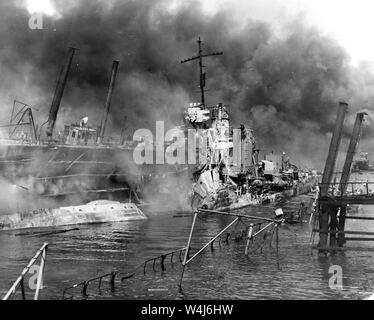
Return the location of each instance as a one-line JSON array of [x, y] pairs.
[[336, 190], [330, 224], [19, 283]]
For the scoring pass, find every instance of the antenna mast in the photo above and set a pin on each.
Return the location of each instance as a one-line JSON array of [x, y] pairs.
[[200, 57]]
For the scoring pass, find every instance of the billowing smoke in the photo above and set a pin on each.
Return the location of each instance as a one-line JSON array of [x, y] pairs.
[[287, 85]]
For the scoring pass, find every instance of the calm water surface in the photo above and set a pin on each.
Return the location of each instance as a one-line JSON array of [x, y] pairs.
[[225, 273]]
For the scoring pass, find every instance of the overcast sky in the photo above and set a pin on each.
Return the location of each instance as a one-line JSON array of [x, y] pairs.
[[349, 21]]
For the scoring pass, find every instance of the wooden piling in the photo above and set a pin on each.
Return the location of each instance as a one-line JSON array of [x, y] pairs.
[[341, 226], [324, 215], [333, 226]]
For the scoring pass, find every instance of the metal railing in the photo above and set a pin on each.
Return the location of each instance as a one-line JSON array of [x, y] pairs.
[[19, 283], [271, 226], [348, 189], [84, 284], [123, 276]]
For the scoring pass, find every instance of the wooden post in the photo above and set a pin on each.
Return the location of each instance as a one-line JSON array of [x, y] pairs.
[[341, 225], [324, 215], [333, 225]]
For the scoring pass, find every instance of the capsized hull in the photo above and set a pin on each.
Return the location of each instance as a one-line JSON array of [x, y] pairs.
[[93, 212]]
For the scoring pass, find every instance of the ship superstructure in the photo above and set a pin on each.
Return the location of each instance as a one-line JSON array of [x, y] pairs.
[[229, 173]]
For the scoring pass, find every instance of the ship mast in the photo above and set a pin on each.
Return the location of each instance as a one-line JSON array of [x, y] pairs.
[[200, 57]]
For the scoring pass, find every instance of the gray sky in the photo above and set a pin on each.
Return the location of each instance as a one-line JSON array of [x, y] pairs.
[[348, 21]]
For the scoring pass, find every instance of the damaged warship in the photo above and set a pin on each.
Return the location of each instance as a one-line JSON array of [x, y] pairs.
[[230, 174], [224, 182]]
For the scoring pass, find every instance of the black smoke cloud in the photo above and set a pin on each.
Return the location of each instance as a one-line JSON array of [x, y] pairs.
[[286, 85]]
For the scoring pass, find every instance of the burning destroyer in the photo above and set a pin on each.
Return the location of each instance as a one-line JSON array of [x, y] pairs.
[[230, 174]]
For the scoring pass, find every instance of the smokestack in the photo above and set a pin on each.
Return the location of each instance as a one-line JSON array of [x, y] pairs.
[[108, 99], [59, 92], [334, 148]]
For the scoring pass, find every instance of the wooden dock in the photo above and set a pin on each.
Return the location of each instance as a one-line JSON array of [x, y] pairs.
[[334, 198], [332, 215]]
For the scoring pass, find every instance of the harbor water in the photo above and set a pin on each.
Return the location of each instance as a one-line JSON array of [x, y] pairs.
[[224, 273]]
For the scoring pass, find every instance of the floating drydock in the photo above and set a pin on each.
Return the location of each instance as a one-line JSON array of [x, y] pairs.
[[93, 212]]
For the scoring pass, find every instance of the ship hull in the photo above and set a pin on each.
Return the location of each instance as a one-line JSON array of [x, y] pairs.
[[95, 212], [57, 170], [45, 176], [247, 200], [53, 160]]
